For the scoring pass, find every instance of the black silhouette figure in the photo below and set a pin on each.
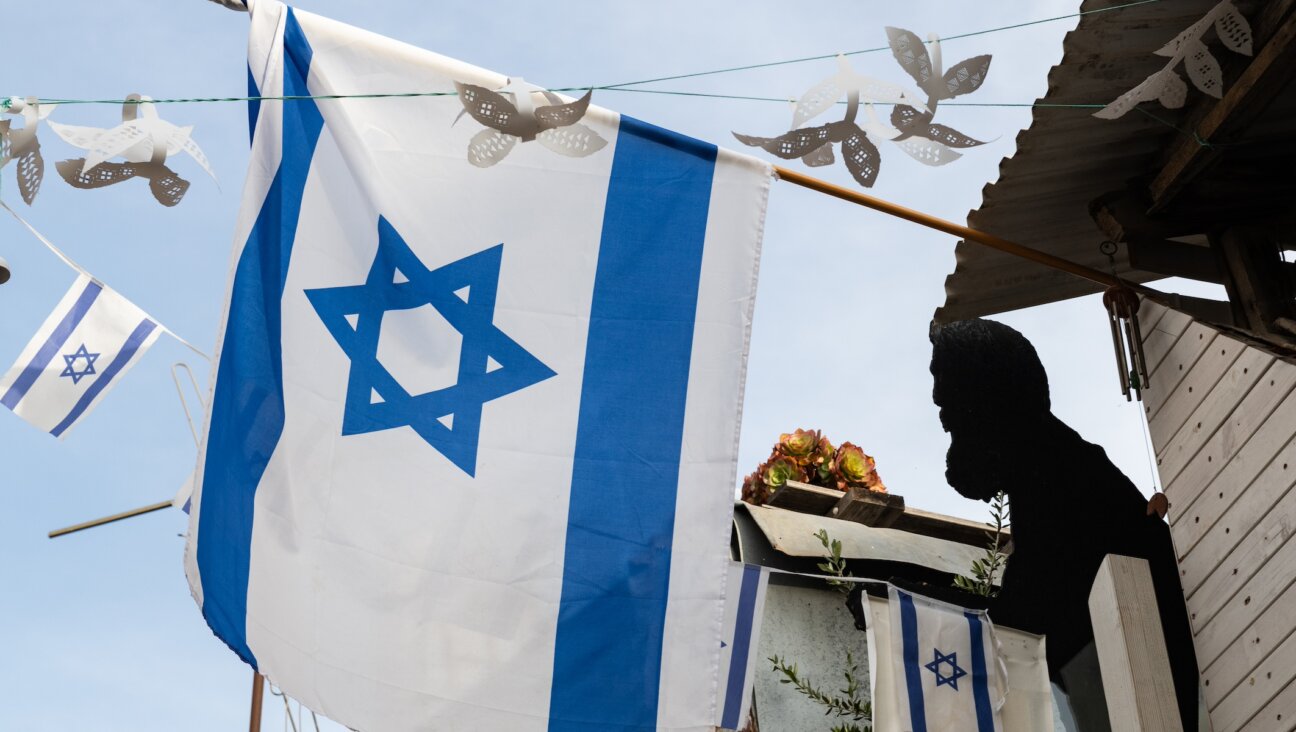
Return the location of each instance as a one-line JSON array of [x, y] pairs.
[[1070, 505]]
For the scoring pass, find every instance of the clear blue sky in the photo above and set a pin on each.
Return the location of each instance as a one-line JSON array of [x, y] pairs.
[[98, 629]]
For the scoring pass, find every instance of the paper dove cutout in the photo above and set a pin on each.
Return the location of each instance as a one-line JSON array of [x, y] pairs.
[[22, 145], [911, 127], [1166, 86], [143, 140], [555, 125]]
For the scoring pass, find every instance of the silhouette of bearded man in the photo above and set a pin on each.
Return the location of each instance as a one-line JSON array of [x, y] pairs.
[[1070, 505]]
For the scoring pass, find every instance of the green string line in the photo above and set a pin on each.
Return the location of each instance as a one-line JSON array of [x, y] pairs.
[[741, 97], [203, 100], [664, 92], [623, 86], [872, 50], [5, 103]]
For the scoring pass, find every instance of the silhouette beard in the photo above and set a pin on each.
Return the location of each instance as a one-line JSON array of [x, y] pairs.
[[974, 467]]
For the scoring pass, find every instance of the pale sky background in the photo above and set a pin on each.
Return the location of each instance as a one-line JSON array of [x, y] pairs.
[[98, 630]]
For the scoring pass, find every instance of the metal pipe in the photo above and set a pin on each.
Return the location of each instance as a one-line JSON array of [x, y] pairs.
[[109, 519], [969, 234], [1122, 371]]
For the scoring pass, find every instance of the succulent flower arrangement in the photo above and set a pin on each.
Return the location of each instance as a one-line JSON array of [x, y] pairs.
[[809, 457]]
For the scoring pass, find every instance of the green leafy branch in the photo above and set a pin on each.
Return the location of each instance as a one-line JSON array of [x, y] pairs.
[[835, 566], [846, 702], [991, 566]]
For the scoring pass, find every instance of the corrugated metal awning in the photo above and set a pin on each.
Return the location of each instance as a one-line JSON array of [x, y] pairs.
[[1066, 159]]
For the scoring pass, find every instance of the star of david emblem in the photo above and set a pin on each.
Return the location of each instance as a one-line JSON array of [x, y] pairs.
[[935, 667], [491, 364], [81, 354]]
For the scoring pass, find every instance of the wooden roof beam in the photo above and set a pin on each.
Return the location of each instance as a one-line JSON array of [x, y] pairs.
[[1271, 69]]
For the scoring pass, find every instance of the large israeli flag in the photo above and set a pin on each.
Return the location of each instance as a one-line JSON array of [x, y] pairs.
[[90, 340], [471, 446]]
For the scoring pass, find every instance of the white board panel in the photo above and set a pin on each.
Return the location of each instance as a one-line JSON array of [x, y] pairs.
[[1159, 339], [1235, 665], [1211, 413], [1274, 387], [1218, 622], [1263, 684], [1231, 516], [1278, 715], [1250, 555], [1175, 367], [1149, 315], [1202, 378]]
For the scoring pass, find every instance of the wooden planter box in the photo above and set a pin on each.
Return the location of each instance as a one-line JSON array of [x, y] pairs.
[[859, 505], [879, 510]]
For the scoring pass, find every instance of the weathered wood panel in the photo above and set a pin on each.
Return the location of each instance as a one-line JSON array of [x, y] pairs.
[[1160, 338], [1204, 375], [1223, 622], [1235, 568], [1216, 542], [1202, 468], [1236, 383], [1163, 382], [1279, 713], [1259, 640], [1222, 417], [1263, 684], [1150, 314]]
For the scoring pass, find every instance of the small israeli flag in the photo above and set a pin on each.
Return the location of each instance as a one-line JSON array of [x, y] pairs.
[[93, 337], [744, 609], [946, 663]]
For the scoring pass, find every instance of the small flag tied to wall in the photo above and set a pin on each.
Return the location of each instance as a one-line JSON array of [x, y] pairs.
[[471, 449], [946, 664], [88, 343]]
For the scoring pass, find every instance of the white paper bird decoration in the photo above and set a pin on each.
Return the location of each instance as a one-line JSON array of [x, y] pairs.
[[911, 129], [21, 144], [143, 140], [1166, 86]]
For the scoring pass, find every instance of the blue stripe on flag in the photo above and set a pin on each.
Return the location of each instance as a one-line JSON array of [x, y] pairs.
[[247, 412], [980, 685], [621, 518], [52, 344], [254, 105], [104, 379], [741, 647], [913, 671]]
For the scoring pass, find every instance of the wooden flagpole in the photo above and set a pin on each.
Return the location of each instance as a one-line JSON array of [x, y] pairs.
[[109, 519], [969, 234], [258, 692]]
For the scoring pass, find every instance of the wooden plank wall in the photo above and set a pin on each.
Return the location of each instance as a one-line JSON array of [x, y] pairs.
[[1222, 416]]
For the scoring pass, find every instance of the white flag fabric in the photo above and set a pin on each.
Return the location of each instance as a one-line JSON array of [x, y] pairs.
[[934, 666], [90, 341], [744, 610], [472, 440]]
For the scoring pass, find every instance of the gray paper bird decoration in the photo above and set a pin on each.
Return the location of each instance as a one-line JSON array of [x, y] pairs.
[[22, 145], [511, 116], [911, 129], [143, 140], [1167, 87]]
